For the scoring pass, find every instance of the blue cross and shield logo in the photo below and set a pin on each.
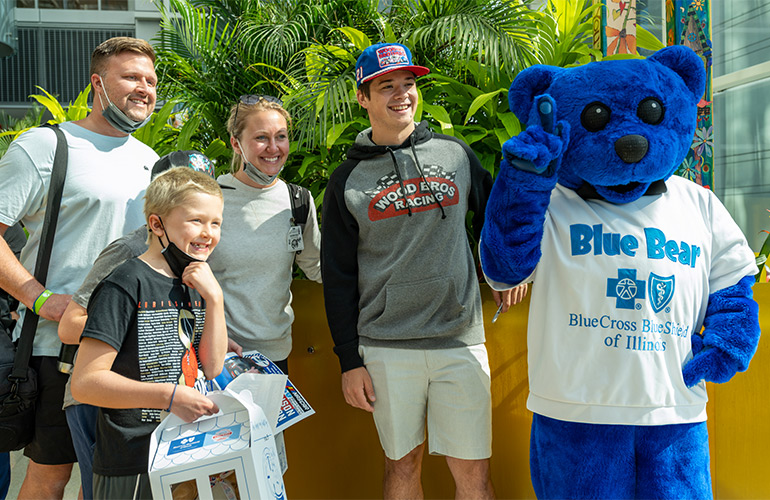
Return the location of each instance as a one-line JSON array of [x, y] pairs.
[[660, 290]]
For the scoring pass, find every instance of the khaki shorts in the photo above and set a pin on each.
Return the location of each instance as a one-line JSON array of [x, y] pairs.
[[448, 387]]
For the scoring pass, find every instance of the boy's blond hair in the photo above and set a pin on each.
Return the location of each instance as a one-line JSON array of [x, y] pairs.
[[239, 115], [172, 188]]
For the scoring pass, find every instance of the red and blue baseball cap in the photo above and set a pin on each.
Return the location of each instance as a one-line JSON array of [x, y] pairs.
[[382, 58]]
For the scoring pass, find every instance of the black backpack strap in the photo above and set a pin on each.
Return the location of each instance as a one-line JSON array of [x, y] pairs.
[[53, 203], [300, 204], [299, 198]]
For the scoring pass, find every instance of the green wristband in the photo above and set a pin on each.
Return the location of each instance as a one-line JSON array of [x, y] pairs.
[[40, 300]]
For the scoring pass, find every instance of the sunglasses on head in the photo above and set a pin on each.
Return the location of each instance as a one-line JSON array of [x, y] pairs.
[[251, 99]]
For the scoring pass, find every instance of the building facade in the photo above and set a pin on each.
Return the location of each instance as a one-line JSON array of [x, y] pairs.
[[53, 43]]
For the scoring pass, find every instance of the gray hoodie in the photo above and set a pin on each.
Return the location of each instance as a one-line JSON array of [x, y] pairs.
[[397, 267]]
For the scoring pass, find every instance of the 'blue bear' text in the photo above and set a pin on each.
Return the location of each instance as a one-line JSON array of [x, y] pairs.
[[585, 238]]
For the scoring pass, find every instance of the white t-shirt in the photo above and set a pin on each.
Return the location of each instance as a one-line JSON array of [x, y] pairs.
[[101, 201], [253, 264], [618, 292]]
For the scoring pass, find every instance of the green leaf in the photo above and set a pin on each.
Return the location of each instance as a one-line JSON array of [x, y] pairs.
[[184, 141], [216, 148], [764, 252], [389, 36], [472, 134], [307, 160], [334, 133], [441, 116], [619, 57], [488, 162], [161, 117], [511, 124], [51, 104], [481, 101], [79, 109], [357, 38], [502, 135], [420, 108], [646, 40], [13, 133]]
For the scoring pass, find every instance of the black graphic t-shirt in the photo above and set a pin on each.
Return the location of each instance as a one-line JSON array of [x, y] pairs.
[[152, 321]]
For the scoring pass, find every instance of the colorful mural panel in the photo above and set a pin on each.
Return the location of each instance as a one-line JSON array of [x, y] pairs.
[[616, 25], [688, 22]]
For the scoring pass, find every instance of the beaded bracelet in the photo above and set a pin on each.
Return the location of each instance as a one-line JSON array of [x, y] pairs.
[[172, 397], [40, 300]]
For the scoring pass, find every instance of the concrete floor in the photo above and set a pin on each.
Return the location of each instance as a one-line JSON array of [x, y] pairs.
[[19, 469]]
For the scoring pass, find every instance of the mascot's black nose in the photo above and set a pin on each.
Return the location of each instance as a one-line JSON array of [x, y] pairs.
[[631, 148]]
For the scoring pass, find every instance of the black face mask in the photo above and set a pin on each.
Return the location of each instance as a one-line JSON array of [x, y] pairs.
[[177, 260]]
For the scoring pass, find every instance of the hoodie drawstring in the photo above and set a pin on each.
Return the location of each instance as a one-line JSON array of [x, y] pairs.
[[400, 180]]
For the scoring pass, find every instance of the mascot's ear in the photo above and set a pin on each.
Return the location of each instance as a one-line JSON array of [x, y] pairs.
[[527, 85], [687, 64]]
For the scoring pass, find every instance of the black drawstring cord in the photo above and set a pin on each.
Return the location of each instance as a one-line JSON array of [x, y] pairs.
[[422, 175], [400, 181]]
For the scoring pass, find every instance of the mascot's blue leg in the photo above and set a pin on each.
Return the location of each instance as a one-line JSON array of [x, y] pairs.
[[673, 462], [574, 460], [577, 461]]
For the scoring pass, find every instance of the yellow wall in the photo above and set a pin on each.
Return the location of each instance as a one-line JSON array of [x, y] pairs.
[[335, 453]]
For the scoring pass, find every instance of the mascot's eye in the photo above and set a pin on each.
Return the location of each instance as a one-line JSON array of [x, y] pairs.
[[651, 111], [595, 117]]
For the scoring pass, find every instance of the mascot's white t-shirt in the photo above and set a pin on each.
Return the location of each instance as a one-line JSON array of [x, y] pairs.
[[618, 292]]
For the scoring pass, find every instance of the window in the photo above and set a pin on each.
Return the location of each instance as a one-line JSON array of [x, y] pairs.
[[742, 112], [76, 4], [56, 59]]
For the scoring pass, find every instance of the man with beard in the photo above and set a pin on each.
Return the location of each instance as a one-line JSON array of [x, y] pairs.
[[107, 172]]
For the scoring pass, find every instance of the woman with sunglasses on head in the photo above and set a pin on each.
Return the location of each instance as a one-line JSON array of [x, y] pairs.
[[261, 241]]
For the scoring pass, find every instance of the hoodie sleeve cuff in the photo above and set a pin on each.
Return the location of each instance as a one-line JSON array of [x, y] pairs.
[[349, 358]]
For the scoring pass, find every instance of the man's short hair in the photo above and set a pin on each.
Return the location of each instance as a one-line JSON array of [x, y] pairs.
[[172, 188], [118, 45]]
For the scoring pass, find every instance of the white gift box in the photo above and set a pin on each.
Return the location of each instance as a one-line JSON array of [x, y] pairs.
[[239, 439]]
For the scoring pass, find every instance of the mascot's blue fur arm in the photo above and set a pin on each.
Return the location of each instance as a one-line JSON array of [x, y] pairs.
[[510, 245], [730, 335]]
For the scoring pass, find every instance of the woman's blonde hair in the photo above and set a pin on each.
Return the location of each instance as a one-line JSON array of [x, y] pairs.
[[239, 116], [172, 188]]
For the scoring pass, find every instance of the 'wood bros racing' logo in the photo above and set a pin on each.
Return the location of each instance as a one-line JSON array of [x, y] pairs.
[[390, 199]]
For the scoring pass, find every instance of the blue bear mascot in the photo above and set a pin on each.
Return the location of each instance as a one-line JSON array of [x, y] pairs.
[[642, 280]]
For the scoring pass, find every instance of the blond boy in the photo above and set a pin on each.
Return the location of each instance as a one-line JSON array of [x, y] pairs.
[[155, 326]]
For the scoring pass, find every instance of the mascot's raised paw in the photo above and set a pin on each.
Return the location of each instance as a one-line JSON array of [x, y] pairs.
[[538, 148]]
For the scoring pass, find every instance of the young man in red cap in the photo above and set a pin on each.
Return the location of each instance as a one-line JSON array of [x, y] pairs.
[[400, 284]]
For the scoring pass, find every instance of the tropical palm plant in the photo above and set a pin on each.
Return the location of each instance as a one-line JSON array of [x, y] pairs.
[[304, 51], [475, 42], [73, 111], [199, 63], [212, 51], [11, 127]]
